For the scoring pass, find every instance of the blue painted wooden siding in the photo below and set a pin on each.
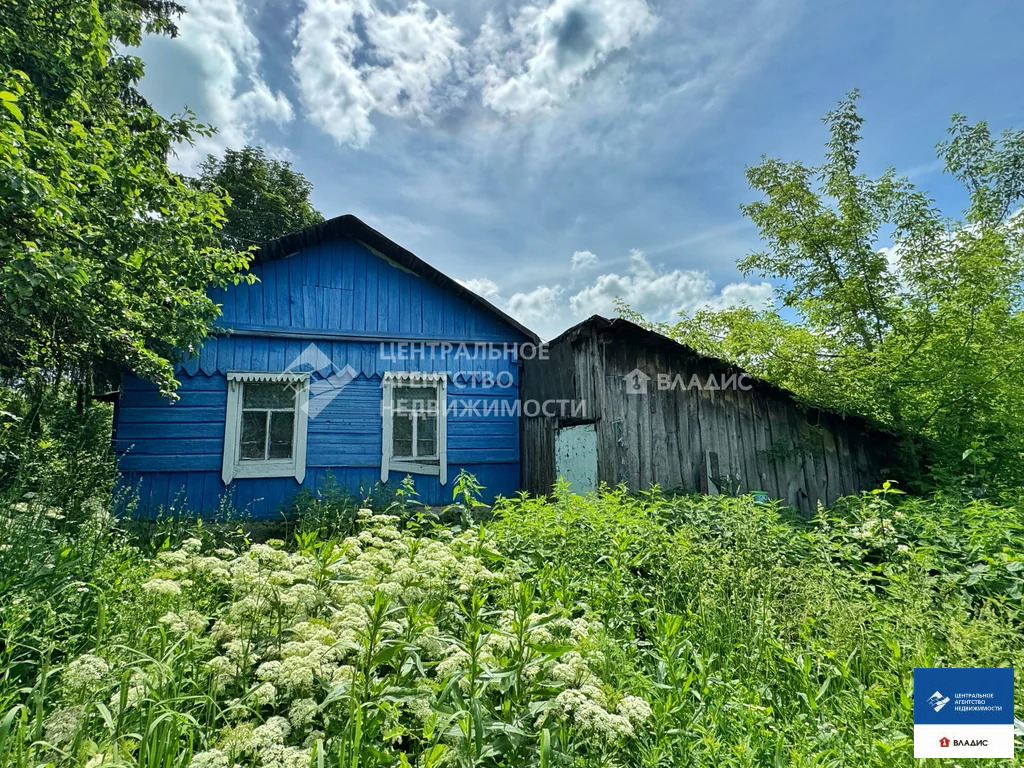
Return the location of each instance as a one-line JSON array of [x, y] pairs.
[[341, 285], [171, 454]]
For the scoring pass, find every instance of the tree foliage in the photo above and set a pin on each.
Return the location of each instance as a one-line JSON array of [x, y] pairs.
[[890, 308], [268, 198], [105, 254]]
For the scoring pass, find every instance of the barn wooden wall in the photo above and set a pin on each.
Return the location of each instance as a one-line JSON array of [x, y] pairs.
[[763, 439]]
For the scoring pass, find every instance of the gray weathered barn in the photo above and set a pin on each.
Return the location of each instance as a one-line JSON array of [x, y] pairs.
[[648, 410]]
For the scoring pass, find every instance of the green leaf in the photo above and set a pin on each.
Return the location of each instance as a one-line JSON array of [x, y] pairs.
[[14, 110]]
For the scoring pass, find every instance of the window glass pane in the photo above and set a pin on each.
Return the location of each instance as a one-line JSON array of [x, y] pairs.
[[254, 434], [269, 394], [402, 443], [419, 399], [282, 426], [426, 436]]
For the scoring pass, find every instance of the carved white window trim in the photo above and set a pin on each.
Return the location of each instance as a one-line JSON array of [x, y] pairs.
[[233, 466], [388, 462]]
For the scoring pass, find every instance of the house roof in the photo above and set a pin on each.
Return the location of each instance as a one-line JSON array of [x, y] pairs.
[[348, 226], [632, 333]]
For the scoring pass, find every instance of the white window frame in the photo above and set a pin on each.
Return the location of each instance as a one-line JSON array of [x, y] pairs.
[[233, 466], [388, 462]]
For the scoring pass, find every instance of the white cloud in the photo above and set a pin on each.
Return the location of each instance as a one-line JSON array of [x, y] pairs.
[[230, 93], [642, 288], [759, 296], [535, 60], [588, 74], [654, 292], [353, 59], [892, 258], [582, 261], [540, 305], [482, 286]]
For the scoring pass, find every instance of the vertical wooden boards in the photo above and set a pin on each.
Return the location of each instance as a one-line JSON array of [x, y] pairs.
[[787, 452], [759, 426], [844, 456], [673, 449], [693, 437], [707, 431], [762, 438]]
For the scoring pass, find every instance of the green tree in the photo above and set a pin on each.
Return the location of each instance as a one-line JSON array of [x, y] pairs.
[[268, 198], [105, 254], [892, 310]]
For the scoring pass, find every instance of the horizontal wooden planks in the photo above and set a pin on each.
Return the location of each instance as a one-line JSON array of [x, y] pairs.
[[150, 495], [342, 285], [185, 438]]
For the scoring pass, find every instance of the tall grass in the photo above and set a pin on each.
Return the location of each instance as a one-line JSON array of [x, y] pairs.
[[608, 630]]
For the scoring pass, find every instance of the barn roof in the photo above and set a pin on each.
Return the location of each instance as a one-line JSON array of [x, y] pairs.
[[348, 226], [629, 332]]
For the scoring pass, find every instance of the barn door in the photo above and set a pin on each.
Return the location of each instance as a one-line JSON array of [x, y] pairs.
[[576, 456]]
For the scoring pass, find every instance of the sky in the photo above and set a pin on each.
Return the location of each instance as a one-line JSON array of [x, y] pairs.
[[555, 155]]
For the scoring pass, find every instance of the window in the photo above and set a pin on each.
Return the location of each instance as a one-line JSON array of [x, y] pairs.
[[265, 425], [414, 421]]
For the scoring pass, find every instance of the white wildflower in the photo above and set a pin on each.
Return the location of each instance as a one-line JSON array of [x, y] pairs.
[[211, 758], [62, 725], [271, 733], [455, 660], [302, 712], [241, 652], [312, 739], [264, 694], [84, 674], [343, 674], [223, 669], [175, 624], [239, 739], [572, 670], [174, 559], [212, 567], [279, 756], [634, 709], [162, 588], [588, 715], [192, 545]]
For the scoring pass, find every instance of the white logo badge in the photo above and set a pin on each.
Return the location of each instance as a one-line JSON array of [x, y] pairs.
[[636, 382], [938, 701]]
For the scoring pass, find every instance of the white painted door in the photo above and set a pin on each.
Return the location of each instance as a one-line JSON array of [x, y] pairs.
[[576, 457]]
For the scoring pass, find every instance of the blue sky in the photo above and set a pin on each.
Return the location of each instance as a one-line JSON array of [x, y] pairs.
[[556, 154]]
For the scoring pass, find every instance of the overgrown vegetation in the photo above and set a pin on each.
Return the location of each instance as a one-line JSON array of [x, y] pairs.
[[889, 307], [610, 630], [605, 630], [267, 198], [106, 255]]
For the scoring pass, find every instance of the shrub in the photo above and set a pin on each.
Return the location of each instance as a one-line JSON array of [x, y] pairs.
[[610, 629]]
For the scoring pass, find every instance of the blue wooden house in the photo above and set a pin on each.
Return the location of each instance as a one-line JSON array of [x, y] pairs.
[[349, 360]]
